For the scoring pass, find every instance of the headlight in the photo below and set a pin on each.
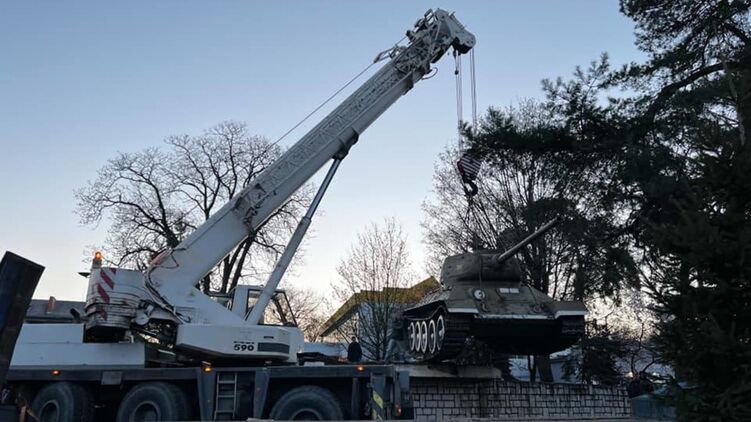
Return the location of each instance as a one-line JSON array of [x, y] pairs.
[[479, 294]]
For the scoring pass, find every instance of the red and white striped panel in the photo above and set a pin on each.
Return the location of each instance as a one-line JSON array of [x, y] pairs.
[[106, 283]]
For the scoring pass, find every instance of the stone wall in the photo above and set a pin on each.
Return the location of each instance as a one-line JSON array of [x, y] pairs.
[[436, 398]]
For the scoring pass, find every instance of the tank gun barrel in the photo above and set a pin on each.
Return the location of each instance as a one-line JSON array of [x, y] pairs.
[[500, 258]]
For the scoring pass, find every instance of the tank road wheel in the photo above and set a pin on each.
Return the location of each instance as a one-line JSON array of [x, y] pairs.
[[424, 336], [418, 336], [412, 336], [63, 402], [440, 331], [307, 403], [431, 337], [154, 401]]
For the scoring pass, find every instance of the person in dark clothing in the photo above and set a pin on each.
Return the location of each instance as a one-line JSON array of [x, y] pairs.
[[634, 387], [354, 351], [396, 347]]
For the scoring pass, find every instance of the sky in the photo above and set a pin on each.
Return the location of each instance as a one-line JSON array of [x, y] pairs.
[[83, 80]]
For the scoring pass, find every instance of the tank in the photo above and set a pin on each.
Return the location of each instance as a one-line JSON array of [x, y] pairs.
[[484, 301]]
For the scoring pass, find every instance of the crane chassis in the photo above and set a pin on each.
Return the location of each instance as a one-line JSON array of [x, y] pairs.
[[151, 346]]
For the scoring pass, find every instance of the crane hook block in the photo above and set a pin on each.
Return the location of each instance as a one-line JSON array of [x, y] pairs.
[[469, 167]]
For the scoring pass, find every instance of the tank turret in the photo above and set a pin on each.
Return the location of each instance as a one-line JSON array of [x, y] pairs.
[[472, 267], [483, 299]]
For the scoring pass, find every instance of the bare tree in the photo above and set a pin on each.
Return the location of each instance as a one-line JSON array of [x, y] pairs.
[[633, 320], [517, 194], [376, 271], [309, 308], [155, 197], [514, 199]]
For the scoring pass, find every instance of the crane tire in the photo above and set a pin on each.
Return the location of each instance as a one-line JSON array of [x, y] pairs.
[[64, 402], [154, 401], [307, 402]]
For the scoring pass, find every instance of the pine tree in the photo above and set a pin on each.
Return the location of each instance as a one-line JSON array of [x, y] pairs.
[[669, 165]]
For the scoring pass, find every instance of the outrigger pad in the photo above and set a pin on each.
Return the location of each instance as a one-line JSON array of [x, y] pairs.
[[18, 280]]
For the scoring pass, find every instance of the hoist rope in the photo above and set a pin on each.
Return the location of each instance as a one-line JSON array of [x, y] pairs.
[[320, 106], [331, 97], [473, 88], [459, 116], [468, 165]]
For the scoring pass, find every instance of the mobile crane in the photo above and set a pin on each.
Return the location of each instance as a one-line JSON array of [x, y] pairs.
[[217, 349]]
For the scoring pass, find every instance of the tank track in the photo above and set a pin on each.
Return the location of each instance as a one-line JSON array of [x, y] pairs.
[[463, 342], [448, 346]]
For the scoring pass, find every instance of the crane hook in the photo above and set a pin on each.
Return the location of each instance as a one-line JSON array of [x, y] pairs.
[[469, 167]]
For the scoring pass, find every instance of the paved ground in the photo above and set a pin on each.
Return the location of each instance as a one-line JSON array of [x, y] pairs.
[[500, 420]]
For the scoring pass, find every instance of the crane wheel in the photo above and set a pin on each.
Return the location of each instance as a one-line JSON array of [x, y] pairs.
[[307, 403], [63, 402], [154, 401]]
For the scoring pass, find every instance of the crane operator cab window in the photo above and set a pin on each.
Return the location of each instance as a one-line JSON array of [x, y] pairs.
[[278, 311], [281, 311]]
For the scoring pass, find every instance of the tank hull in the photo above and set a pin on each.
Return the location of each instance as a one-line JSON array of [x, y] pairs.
[[463, 332], [528, 337]]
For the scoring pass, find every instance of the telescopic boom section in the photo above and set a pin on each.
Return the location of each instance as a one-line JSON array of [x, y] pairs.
[[174, 274]]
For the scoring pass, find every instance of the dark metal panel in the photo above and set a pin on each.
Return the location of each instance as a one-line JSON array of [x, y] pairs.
[[273, 347], [49, 375], [206, 384], [146, 374], [354, 405], [160, 374], [79, 374], [333, 371], [402, 398], [112, 377], [378, 397], [8, 413], [18, 280], [260, 391], [403, 377]]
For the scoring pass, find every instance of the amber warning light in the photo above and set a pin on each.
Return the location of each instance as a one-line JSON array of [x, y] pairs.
[[97, 262]]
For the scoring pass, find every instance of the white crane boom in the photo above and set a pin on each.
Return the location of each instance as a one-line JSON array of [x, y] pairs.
[[182, 268], [170, 281]]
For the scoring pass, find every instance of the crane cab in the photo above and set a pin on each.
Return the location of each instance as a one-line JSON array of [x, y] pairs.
[[244, 297]]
